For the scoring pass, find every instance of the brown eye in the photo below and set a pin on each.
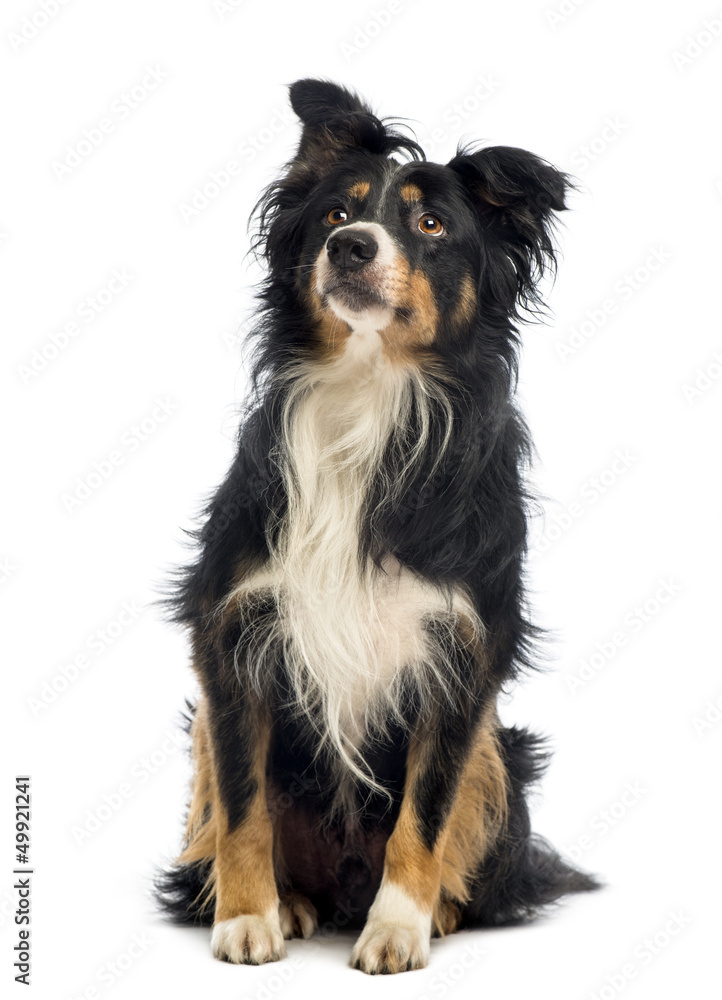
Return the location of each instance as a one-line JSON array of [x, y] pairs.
[[337, 215], [430, 225]]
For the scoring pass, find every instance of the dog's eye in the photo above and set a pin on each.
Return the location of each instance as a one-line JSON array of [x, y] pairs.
[[337, 215], [430, 225]]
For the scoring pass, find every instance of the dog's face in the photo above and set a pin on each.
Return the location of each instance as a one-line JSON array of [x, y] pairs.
[[423, 254], [390, 247]]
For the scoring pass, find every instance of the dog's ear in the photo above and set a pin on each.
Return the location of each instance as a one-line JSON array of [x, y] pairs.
[[317, 101], [516, 195], [335, 121]]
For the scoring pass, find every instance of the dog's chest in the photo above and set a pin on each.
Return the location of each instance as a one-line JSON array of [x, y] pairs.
[[354, 635], [350, 624]]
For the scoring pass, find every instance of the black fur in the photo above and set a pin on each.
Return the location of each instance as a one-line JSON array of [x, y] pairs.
[[460, 521], [524, 874]]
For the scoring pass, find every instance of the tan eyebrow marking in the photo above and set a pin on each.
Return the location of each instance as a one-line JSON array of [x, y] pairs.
[[411, 193], [359, 190]]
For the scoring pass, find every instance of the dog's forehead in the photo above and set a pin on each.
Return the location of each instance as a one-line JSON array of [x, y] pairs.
[[376, 186], [371, 181]]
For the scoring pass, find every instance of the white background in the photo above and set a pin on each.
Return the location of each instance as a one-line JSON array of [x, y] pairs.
[[631, 741]]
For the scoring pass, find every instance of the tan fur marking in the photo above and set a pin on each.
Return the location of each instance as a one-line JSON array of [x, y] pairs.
[[446, 917], [466, 302], [403, 339], [359, 190], [439, 879], [298, 915], [330, 331], [408, 862], [243, 866], [479, 811], [411, 193], [242, 878], [200, 840]]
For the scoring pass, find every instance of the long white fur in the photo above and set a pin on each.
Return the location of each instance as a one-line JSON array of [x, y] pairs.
[[352, 633]]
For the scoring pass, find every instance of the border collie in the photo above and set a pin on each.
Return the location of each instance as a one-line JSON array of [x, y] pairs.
[[357, 602]]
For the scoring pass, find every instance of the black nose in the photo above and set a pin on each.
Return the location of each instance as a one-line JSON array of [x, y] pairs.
[[351, 248]]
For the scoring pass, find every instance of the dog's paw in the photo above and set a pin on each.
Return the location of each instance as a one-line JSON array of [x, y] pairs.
[[447, 918], [297, 915], [397, 934], [385, 948], [249, 939]]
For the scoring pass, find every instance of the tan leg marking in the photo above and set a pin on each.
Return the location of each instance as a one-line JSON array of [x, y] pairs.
[[398, 928], [478, 814], [242, 881], [447, 917], [247, 928], [422, 887]]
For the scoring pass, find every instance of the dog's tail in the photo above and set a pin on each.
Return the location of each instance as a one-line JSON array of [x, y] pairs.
[[182, 893], [523, 874]]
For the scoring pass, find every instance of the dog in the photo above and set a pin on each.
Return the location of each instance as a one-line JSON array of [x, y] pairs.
[[357, 601]]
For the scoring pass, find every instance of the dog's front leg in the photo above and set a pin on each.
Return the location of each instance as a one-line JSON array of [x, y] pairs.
[[246, 928], [397, 933]]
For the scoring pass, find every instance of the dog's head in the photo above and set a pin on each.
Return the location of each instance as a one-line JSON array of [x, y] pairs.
[[431, 257]]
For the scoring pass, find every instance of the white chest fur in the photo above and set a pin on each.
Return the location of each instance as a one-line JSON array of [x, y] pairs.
[[353, 633]]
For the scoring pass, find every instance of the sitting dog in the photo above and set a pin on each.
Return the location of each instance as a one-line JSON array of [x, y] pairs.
[[357, 601]]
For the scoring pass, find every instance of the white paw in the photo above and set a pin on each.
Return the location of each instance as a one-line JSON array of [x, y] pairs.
[[297, 915], [384, 948], [396, 937], [249, 939]]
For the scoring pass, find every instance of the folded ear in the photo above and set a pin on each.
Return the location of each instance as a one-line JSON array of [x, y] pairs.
[[516, 195], [315, 101], [336, 121]]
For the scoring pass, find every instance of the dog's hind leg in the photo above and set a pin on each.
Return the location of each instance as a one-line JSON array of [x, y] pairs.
[[518, 874], [298, 915]]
